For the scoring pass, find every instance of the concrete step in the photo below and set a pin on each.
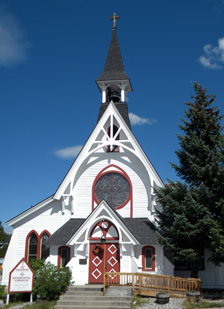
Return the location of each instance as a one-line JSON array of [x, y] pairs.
[[78, 293], [94, 303], [94, 298], [85, 288], [91, 297], [91, 307]]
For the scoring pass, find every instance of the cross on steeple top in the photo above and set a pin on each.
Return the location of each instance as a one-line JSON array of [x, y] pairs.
[[114, 18]]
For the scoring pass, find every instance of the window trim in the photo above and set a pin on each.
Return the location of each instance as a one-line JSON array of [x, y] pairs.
[[143, 258], [59, 254], [38, 243], [117, 170]]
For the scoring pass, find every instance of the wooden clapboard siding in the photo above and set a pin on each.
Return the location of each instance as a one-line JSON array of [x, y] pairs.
[[82, 191]]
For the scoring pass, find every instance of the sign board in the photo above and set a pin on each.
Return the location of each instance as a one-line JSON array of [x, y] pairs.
[[21, 278]]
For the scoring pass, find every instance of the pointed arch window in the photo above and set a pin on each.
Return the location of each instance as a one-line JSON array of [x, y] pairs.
[[113, 148], [45, 250], [35, 247]]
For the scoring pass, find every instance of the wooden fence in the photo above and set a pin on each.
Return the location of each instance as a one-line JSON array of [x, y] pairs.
[[150, 284]]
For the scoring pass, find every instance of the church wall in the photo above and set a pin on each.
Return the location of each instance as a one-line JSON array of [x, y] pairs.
[[159, 265], [135, 170], [212, 276], [48, 218], [10, 259], [125, 261]]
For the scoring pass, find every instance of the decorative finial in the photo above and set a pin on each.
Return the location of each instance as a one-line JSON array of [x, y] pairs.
[[114, 18]]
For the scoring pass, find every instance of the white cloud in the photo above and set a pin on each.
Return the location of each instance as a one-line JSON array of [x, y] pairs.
[[69, 152], [138, 121], [13, 43], [213, 56]]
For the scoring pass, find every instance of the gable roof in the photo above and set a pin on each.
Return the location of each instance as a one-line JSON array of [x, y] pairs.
[[88, 149], [141, 228]]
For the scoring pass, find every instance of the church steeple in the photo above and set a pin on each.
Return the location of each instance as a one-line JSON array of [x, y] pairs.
[[114, 83], [114, 78]]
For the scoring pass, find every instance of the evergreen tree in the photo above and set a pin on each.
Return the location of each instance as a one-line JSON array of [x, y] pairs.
[[192, 215], [4, 240]]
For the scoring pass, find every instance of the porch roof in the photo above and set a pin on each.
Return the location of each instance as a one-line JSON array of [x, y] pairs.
[[141, 228]]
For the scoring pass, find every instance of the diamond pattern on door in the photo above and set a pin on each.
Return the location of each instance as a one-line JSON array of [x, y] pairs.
[[96, 261], [112, 249], [112, 271], [96, 273], [112, 261]]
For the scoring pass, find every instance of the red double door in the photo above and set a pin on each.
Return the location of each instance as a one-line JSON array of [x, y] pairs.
[[97, 260]]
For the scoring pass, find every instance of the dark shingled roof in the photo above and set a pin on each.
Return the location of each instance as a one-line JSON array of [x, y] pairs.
[[121, 107], [114, 68], [141, 228], [64, 233]]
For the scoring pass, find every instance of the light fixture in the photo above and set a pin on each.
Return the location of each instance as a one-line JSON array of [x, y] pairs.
[[103, 239]]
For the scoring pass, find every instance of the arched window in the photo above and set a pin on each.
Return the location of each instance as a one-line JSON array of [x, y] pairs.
[[113, 148], [32, 247], [44, 250], [114, 186], [148, 258], [35, 247], [63, 256]]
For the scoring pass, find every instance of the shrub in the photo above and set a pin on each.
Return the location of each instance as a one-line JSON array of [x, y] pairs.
[[2, 291], [49, 280]]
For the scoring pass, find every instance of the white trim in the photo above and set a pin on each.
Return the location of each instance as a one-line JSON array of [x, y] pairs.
[[30, 211], [85, 153], [94, 218]]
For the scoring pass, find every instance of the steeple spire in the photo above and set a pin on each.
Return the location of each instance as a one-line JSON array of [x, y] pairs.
[[114, 77], [114, 83]]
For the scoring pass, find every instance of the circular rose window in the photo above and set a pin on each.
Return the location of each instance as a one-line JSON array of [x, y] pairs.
[[113, 188]]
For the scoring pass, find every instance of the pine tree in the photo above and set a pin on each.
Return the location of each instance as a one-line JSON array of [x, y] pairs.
[[192, 216], [4, 240]]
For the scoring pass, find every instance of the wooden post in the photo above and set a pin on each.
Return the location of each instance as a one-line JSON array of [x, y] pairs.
[[168, 283], [132, 284], [140, 279]]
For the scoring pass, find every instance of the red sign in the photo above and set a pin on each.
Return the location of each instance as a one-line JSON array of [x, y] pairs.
[[21, 278]]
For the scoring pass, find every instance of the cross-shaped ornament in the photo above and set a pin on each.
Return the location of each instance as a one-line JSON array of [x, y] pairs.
[[114, 18]]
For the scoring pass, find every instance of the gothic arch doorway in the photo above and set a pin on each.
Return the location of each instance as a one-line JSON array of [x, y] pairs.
[[103, 257]]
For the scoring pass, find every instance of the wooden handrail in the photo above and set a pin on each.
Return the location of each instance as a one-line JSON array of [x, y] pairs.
[[149, 284]]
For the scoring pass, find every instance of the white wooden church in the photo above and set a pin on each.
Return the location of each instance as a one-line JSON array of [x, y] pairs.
[[107, 193]]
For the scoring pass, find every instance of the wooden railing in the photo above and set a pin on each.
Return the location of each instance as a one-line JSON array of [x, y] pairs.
[[150, 284]]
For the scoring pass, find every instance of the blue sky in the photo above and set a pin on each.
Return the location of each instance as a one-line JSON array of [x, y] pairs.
[[51, 53]]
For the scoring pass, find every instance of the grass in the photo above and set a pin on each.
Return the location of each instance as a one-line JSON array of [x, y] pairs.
[[44, 305], [138, 301], [191, 304]]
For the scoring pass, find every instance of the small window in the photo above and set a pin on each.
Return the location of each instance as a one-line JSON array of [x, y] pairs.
[[33, 243], [148, 258], [63, 256], [45, 250]]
